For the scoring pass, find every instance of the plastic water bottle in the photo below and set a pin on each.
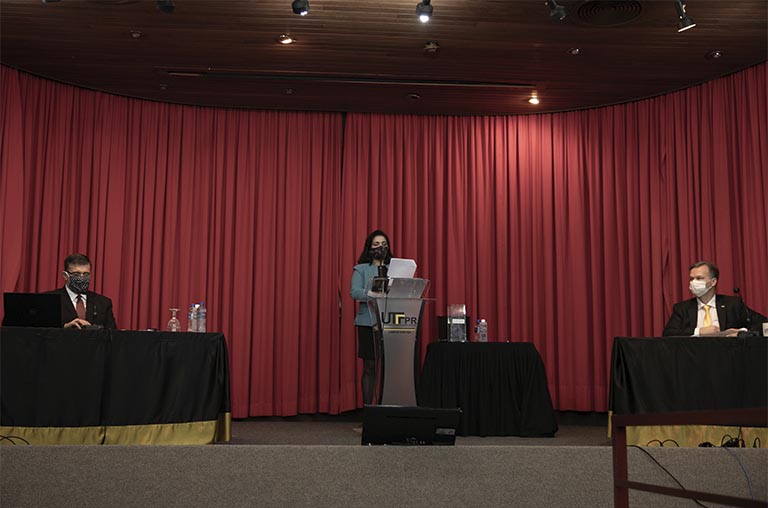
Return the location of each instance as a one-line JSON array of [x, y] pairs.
[[481, 331], [201, 317], [192, 318]]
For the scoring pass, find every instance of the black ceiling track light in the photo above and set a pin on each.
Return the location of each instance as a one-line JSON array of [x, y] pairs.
[[556, 10], [166, 6], [424, 10], [300, 7], [684, 21]]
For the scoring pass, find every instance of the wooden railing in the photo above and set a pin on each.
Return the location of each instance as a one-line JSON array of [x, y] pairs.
[[754, 417]]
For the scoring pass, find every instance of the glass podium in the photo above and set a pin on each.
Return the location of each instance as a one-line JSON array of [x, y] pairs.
[[396, 306]]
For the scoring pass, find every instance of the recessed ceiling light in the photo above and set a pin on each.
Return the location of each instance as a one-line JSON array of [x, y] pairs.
[[286, 39], [714, 55], [534, 98], [413, 96], [135, 34], [574, 51]]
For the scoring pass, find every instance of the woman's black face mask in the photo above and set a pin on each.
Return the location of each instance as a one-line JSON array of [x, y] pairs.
[[379, 253]]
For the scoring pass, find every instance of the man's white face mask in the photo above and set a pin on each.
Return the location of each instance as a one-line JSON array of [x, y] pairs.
[[699, 287]]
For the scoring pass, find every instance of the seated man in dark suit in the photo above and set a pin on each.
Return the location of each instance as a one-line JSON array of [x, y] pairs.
[[710, 314], [80, 307]]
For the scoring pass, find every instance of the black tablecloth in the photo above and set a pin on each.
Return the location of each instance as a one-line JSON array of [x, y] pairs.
[[660, 375], [52, 377], [501, 388]]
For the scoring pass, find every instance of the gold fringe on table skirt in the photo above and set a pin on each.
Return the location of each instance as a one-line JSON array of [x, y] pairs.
[[187, 433]]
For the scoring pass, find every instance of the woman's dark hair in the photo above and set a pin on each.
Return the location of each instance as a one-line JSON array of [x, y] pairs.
[[365, 256]]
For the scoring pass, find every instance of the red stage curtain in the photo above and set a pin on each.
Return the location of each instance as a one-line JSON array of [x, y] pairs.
[[563, 229], [12, 173], [177, 204], [569, 229]]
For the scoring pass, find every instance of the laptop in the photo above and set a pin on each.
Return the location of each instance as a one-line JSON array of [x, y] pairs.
[[32, 309]]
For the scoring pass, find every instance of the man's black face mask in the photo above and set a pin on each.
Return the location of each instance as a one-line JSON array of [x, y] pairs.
[[78, 282]]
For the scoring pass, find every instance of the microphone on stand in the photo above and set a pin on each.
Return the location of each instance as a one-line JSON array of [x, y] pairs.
[[748, 320], [381, 282]]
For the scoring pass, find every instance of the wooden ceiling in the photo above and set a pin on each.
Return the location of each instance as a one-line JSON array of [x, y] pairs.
[[367, 55]]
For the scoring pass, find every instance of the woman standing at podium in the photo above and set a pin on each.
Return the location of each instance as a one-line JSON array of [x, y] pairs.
[[376, 255]]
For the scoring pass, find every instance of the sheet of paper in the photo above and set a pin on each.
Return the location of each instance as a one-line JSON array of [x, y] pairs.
[[401, 268]]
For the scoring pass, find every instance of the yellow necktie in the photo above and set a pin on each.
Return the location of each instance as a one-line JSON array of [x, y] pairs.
[[707, 317]]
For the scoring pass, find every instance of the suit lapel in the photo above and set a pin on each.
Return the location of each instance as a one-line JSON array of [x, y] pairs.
[[90, 307], [722, 313], [68, 308], [693, 313], [68, 312]]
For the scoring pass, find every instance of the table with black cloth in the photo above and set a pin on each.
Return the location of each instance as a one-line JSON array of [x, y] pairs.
[[62, 386], [501, 388], [661, 375], [673, 374]]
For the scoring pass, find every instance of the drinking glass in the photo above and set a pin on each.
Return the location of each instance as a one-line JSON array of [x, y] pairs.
[[174, 325]]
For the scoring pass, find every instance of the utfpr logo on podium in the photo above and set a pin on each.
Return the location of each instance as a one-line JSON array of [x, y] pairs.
[[399, 321]]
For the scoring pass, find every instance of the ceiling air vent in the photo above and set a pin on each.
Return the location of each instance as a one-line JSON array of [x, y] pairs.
[[609, 13]]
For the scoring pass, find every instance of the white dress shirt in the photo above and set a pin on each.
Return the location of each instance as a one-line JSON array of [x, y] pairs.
[[712, 314], [73, 297]]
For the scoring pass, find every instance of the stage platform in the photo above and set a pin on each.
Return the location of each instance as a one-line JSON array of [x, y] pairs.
[[317, 463], [338, 430]]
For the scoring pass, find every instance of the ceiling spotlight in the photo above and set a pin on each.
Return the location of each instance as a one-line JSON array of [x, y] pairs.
[[714, 55], [684, 20], [166, 6], [534, 99], [300, 7], [424, 10], [286, 39], [556, 11]]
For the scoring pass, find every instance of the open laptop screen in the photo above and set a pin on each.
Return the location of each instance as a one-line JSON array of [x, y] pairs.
[[32, 309]]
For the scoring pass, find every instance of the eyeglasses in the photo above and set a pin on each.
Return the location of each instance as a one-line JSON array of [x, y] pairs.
[[81, 274]]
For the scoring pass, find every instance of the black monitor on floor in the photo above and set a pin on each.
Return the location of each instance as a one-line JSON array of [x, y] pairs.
[[32, 309], [409, 426]]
